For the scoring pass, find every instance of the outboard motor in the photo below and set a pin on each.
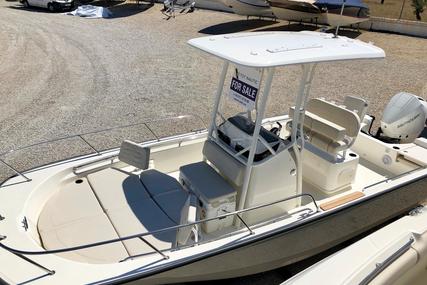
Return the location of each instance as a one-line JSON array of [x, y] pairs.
[[404, 118]]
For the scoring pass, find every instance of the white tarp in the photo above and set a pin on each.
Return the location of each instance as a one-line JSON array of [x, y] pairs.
[[91, 12]]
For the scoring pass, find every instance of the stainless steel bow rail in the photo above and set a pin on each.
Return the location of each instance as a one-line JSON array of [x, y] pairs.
[[94, 150], [22, 253], [77, 170]]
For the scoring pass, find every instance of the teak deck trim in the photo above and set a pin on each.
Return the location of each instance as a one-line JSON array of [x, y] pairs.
[[341, 200]]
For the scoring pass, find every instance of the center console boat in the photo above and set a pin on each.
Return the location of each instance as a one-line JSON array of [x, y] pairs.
[[246, 195]]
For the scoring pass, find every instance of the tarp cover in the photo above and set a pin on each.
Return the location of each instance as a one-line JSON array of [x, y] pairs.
[[91, 12], [338, 3]]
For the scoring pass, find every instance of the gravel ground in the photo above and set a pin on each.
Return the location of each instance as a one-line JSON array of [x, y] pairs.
[[63, 75]]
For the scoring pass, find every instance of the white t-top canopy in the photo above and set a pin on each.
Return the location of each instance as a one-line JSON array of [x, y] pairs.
[[269, 49]]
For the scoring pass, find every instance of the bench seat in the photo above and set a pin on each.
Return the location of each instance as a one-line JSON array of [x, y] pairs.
[[139, 204], [73, 217]]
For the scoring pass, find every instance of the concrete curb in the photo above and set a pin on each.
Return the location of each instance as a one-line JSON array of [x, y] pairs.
[[404, 27]]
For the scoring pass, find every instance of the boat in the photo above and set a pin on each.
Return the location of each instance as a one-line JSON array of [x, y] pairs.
[[327, 12], [343, 13], [246, 195], [394, 254], [297, 11], [256, 8]]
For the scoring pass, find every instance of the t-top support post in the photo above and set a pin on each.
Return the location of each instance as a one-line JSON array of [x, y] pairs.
[[259, 116], [218, 95], [298, 119]]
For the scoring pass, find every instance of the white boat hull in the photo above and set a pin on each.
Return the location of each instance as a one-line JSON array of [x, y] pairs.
[[342, 20], [292, 245], [297, 16], [258, 8]]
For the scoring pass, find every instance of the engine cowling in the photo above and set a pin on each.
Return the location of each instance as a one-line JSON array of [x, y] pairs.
[[404, 117]]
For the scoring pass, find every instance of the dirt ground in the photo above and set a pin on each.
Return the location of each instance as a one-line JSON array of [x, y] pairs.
[[394, 9], [62, 75]]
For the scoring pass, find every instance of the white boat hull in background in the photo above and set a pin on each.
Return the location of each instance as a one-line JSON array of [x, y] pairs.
[[395, 254], [342, 20], [297, 11], [296, 16], [258, 8]]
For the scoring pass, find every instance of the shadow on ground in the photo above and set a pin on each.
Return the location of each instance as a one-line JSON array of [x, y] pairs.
[[128, 9], [120, 8], [347, 33], [30, 9], [236, 26]]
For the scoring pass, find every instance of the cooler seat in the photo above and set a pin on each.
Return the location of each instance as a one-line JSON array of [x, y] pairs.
[[216, 196]]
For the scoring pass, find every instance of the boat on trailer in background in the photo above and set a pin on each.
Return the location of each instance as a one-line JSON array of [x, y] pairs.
[[324, 12], [256, 8], [247, 195]]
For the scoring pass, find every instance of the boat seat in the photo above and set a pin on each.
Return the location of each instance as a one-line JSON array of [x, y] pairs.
[[143, 217], [329, 127], [335, 114], [206, 180], [140, 203], [115, 188], [74, 217], [158, 183], [357, 105], [229, 167], [331, 130], [134, 154], [166, 191], [172, 202]]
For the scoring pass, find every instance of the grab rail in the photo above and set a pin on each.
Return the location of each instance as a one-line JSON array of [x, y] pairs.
[[382, 265], [15, 170], [141, 236], [389, 179], [178, 138]]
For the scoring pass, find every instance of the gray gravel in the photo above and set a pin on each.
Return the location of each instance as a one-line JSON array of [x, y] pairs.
[[63, 75]]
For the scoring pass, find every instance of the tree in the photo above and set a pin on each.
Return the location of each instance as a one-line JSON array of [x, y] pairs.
[[418, 7]]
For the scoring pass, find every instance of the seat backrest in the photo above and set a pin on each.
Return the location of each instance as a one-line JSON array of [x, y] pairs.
[[188, 215], [335, 114], [134, 154], [329, 127], [356, 104], [322, 126], [227, 165]]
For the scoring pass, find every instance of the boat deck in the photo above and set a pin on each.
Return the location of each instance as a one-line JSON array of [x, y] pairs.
[[113, 203]]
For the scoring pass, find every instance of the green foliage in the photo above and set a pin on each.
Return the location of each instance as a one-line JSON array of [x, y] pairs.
[[418, 7]]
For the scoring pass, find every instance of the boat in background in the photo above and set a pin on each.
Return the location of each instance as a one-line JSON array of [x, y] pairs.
[[257, 8], [354, 11], [297, 11], [395, 254], [325, 12]]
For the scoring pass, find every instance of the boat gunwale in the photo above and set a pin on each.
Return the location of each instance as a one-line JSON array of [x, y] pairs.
[[316, 217], [270, 234]]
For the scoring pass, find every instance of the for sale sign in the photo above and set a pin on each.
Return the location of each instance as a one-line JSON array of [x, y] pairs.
[[244, 86]]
